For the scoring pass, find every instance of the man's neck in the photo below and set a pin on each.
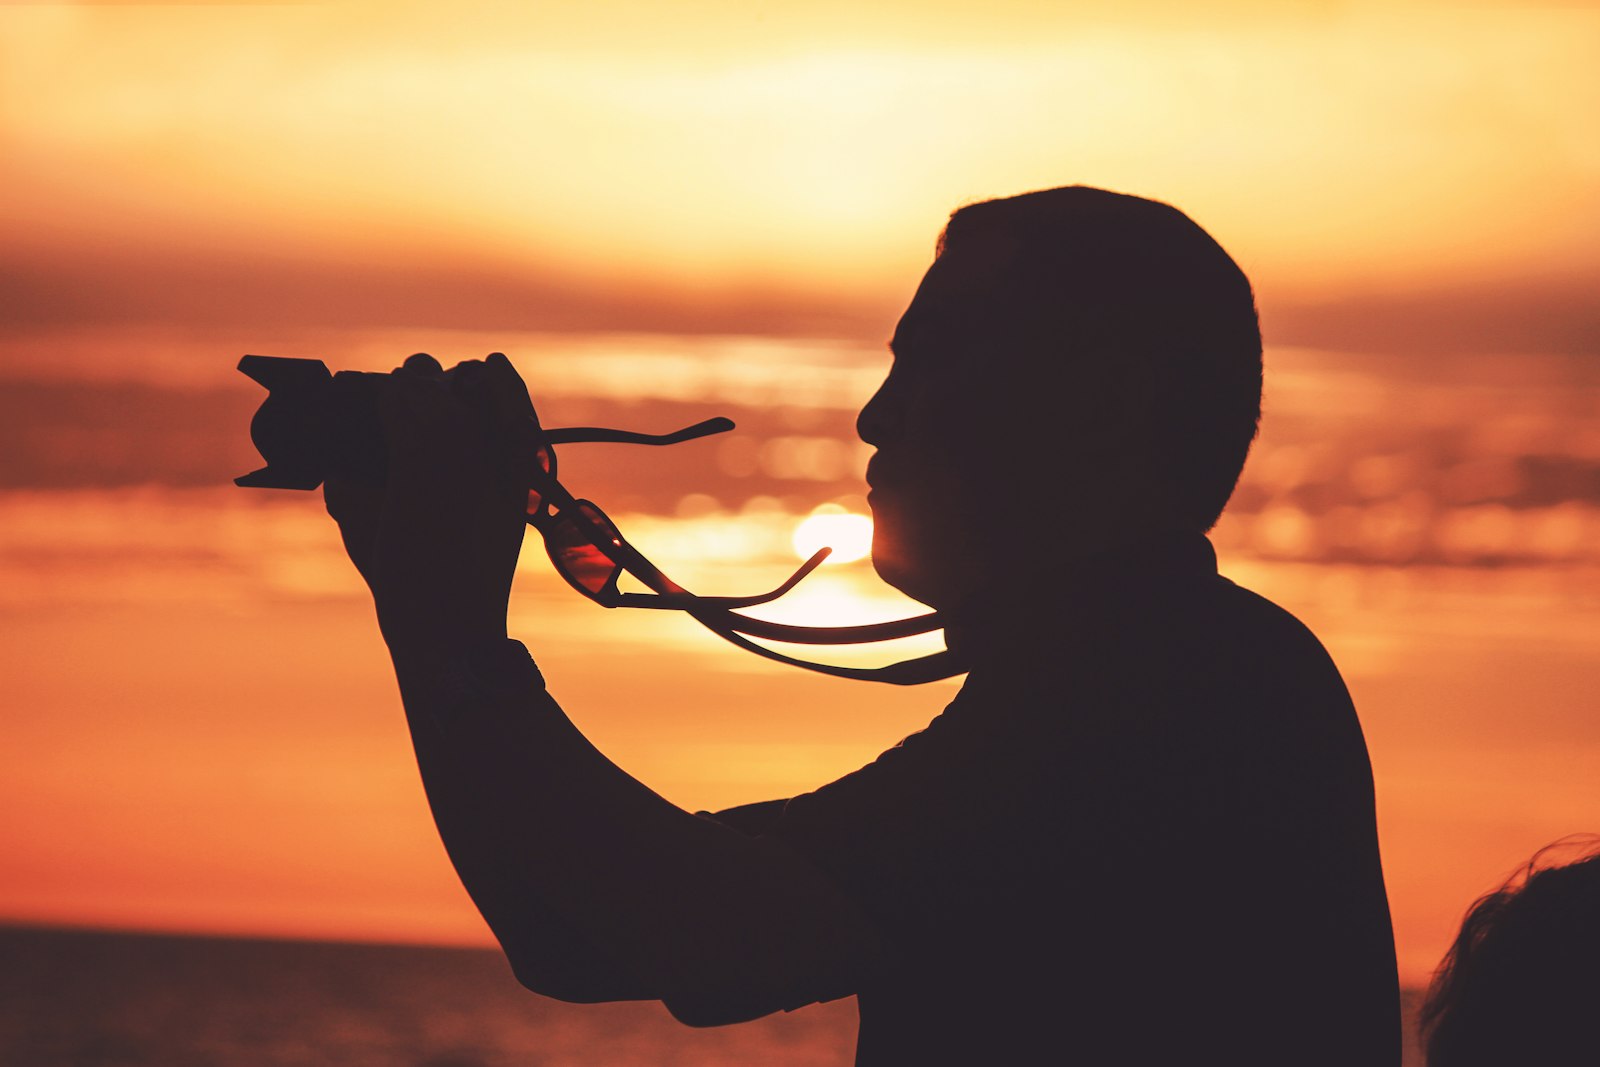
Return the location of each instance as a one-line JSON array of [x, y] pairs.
[[1079, 588]]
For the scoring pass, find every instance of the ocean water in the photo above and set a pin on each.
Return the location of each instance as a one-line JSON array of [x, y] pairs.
[[81, 999], [89, 999]]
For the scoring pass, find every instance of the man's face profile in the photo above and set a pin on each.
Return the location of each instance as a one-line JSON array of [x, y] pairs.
[[945, 422], [987, 414]]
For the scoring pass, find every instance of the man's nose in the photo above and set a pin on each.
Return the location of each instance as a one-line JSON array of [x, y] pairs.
[[876, 423]]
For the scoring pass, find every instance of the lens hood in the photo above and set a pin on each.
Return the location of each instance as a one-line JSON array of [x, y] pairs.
[[314, 424]]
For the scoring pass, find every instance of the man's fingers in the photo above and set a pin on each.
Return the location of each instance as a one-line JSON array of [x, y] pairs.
[[511, 414], [510, 392], [462, 426], [416, 403], [493, 389], [438, 444], [420, 403], [494, 386], [421, 363]]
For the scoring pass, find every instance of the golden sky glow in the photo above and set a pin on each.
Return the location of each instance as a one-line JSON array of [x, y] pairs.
[[709, 149]]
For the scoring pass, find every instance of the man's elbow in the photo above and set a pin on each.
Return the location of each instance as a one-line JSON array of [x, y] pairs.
[[574, 982], [700, 1009], [579, 985]]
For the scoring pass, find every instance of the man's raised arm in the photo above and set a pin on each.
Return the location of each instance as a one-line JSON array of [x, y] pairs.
[[596, 887]]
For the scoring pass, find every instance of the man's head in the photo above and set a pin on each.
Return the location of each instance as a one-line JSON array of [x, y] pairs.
[[1078, 368]]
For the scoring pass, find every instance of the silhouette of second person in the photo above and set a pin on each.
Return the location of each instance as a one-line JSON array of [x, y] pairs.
[[1142, 833], [1522, 980]]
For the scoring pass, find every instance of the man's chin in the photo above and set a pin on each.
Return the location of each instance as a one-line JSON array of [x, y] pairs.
[[909, 580]]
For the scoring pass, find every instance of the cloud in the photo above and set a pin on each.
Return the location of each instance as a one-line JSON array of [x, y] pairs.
[[208, 288], [1557, 315]]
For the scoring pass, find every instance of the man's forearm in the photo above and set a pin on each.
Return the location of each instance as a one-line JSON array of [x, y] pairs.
[[597, 887], [539, 826]]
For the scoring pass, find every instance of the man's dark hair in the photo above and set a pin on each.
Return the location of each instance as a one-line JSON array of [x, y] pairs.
[[1142, 298]]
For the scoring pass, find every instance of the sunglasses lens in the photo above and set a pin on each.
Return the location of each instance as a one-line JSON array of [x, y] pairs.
[[572, 546], [547, 462]]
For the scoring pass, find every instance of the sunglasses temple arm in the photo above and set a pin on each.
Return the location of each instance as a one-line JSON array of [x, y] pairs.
[[573, 435], [933, 668], [867, 633], [691, 602]]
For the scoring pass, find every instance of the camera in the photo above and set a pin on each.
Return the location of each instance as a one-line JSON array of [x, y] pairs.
[[314, 424]]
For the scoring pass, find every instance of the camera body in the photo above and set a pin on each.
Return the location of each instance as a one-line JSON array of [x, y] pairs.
[[314, 424]]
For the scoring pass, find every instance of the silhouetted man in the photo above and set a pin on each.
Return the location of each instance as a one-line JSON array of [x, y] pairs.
[[1143, 832]]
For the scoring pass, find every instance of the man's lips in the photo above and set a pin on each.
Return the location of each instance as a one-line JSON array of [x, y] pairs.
[[875, 472]]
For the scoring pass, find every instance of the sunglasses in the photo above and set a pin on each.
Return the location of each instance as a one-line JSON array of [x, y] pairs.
[[591, 555]]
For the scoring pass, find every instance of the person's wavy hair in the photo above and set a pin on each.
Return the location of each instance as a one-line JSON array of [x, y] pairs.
[[1521, 984]]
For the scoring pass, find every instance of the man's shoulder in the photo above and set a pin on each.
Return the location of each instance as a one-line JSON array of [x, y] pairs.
[[1212, 660], [1210, 621], [1275, 635]]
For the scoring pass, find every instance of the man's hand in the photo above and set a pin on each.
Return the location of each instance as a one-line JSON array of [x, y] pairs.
[[438, 544]]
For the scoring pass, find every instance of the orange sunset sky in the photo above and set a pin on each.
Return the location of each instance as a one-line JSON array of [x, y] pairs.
[[779, 168], [667, 210]]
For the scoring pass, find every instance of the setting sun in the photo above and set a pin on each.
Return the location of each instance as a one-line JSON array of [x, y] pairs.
[[831, 526]]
